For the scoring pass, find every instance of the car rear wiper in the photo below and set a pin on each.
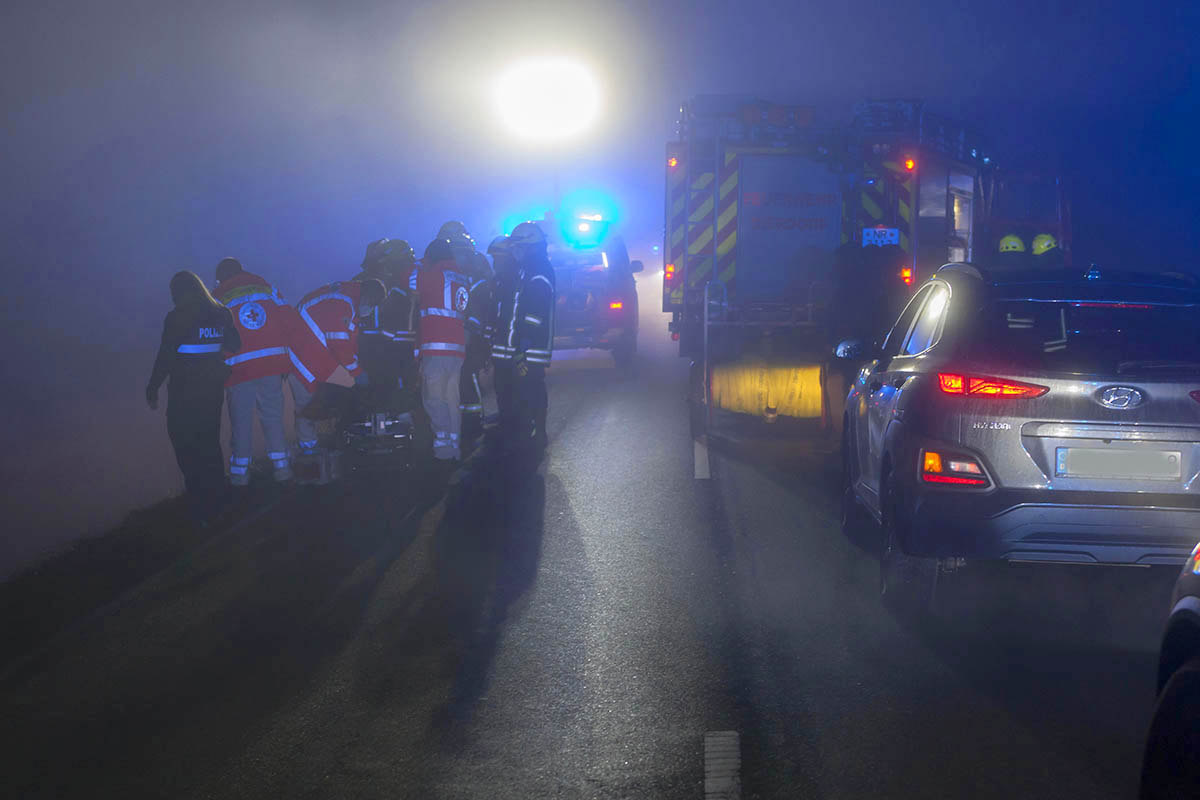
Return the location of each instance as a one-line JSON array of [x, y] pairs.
[[1151, 364]]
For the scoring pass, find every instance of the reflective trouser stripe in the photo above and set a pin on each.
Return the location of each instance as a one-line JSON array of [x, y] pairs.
[[266, 352], [238, 470], [444, 347]]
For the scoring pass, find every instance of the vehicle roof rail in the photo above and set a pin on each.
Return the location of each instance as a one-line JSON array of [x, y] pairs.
[[967, 269]]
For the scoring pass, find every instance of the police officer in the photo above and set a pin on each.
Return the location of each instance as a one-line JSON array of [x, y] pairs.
[[524, 339], [197, 335]]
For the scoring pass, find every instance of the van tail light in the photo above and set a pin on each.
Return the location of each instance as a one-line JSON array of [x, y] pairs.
[[951, 469], [983, 386]]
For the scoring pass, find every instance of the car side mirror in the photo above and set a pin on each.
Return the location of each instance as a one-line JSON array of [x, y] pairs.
[[851, 350], [636, 266]]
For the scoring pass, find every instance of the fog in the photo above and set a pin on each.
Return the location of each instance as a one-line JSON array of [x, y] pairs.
[[142, 138]]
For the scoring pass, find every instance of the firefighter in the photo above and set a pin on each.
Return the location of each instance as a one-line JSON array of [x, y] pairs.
[[1046, 253], [476, 387], [524, 339], [441, 295], [196, 335], [391, 262], [275, 344], [1011, 253]]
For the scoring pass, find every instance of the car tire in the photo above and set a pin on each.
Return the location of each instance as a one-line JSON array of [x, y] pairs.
[[1171, 765], [854, 518], [906, 583], [623, 353]]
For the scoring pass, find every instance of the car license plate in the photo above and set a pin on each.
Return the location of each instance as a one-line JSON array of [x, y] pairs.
[[1094, 462]]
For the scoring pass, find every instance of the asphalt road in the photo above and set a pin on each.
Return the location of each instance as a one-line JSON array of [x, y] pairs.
[[574, 633]]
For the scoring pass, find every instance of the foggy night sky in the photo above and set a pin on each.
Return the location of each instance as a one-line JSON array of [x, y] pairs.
[[144, 137]]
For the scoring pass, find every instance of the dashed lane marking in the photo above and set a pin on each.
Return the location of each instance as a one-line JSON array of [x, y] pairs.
[[700, 457], [722, 765]]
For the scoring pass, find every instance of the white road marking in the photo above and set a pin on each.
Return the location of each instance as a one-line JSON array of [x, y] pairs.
[[700, 456], [722, 765]]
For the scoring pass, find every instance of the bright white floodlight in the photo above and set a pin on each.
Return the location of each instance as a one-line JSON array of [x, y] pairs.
[[547, 99]]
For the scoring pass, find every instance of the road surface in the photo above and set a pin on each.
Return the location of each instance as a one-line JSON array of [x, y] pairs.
[[591, 631]]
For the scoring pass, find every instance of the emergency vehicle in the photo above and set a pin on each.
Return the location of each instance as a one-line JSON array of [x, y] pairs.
[[769, 206]]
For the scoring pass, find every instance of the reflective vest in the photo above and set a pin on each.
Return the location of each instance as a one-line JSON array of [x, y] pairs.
[[329, 313], [274, 340], [525, 314], [441, 296]]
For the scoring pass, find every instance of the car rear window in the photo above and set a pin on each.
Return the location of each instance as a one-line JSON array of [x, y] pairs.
[[1087, 337]]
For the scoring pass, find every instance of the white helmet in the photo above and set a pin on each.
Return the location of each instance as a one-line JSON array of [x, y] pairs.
[[527, 233]]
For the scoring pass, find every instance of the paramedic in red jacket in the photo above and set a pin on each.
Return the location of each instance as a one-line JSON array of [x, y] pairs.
[[275, 343], [441, 295]]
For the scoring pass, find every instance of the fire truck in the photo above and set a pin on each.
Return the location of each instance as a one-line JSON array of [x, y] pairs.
[[785, 229]]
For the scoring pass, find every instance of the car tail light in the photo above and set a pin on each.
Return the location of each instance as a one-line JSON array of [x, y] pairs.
[[616, 305], [675, 336], [983, 386], [951, 469]]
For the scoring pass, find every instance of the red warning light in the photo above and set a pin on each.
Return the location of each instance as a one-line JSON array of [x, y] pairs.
[[616, 305], [910, 164], [906, 275], [669, 271], [672, 162]]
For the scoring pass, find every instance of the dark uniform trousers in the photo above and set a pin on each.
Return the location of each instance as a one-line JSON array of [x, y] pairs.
[[523, 403], [194, 426]]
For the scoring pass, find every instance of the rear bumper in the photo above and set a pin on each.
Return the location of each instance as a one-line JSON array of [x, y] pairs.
[[1077, 527], [601, 338]]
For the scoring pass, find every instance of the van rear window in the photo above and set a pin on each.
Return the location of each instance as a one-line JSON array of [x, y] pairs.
[[1087, 337]]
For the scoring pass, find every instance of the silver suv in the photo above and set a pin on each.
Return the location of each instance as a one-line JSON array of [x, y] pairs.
[[1028, 417]]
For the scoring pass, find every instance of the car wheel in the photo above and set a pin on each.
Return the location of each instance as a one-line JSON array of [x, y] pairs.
[[1171, 766], [906, 583], [853, 516], [623, 353]]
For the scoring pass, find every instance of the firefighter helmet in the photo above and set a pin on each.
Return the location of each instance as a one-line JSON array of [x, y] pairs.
[[438, 250], [1044, 243], [1012, 244], [527, 233], [500, 244], [453, 229]]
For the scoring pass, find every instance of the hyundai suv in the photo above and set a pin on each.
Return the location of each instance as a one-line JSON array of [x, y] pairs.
[[597, 303], [1043, 417]]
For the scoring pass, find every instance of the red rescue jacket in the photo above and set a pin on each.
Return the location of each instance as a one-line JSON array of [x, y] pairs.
[[274, 340], [328, 313], [442, 295]]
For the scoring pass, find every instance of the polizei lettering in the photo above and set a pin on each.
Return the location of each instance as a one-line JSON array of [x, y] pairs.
[[212, 333]]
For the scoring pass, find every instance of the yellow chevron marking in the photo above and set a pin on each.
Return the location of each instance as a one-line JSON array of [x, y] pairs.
[[729, 185], [872, 207], [677, 237], [730, 156], [904, 243], [678, 206], [727, 215], [728, 244], [705, 210], [701, 240], [728, 273], [905, 212], [702, 182], [697, 277]]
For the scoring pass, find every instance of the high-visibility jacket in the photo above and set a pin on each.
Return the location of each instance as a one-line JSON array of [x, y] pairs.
[[329, 313], [525, 314], [274, 339], [442, 296]]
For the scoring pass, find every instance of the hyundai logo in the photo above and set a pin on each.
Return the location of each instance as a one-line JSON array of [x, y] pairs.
[[1120, 397]]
